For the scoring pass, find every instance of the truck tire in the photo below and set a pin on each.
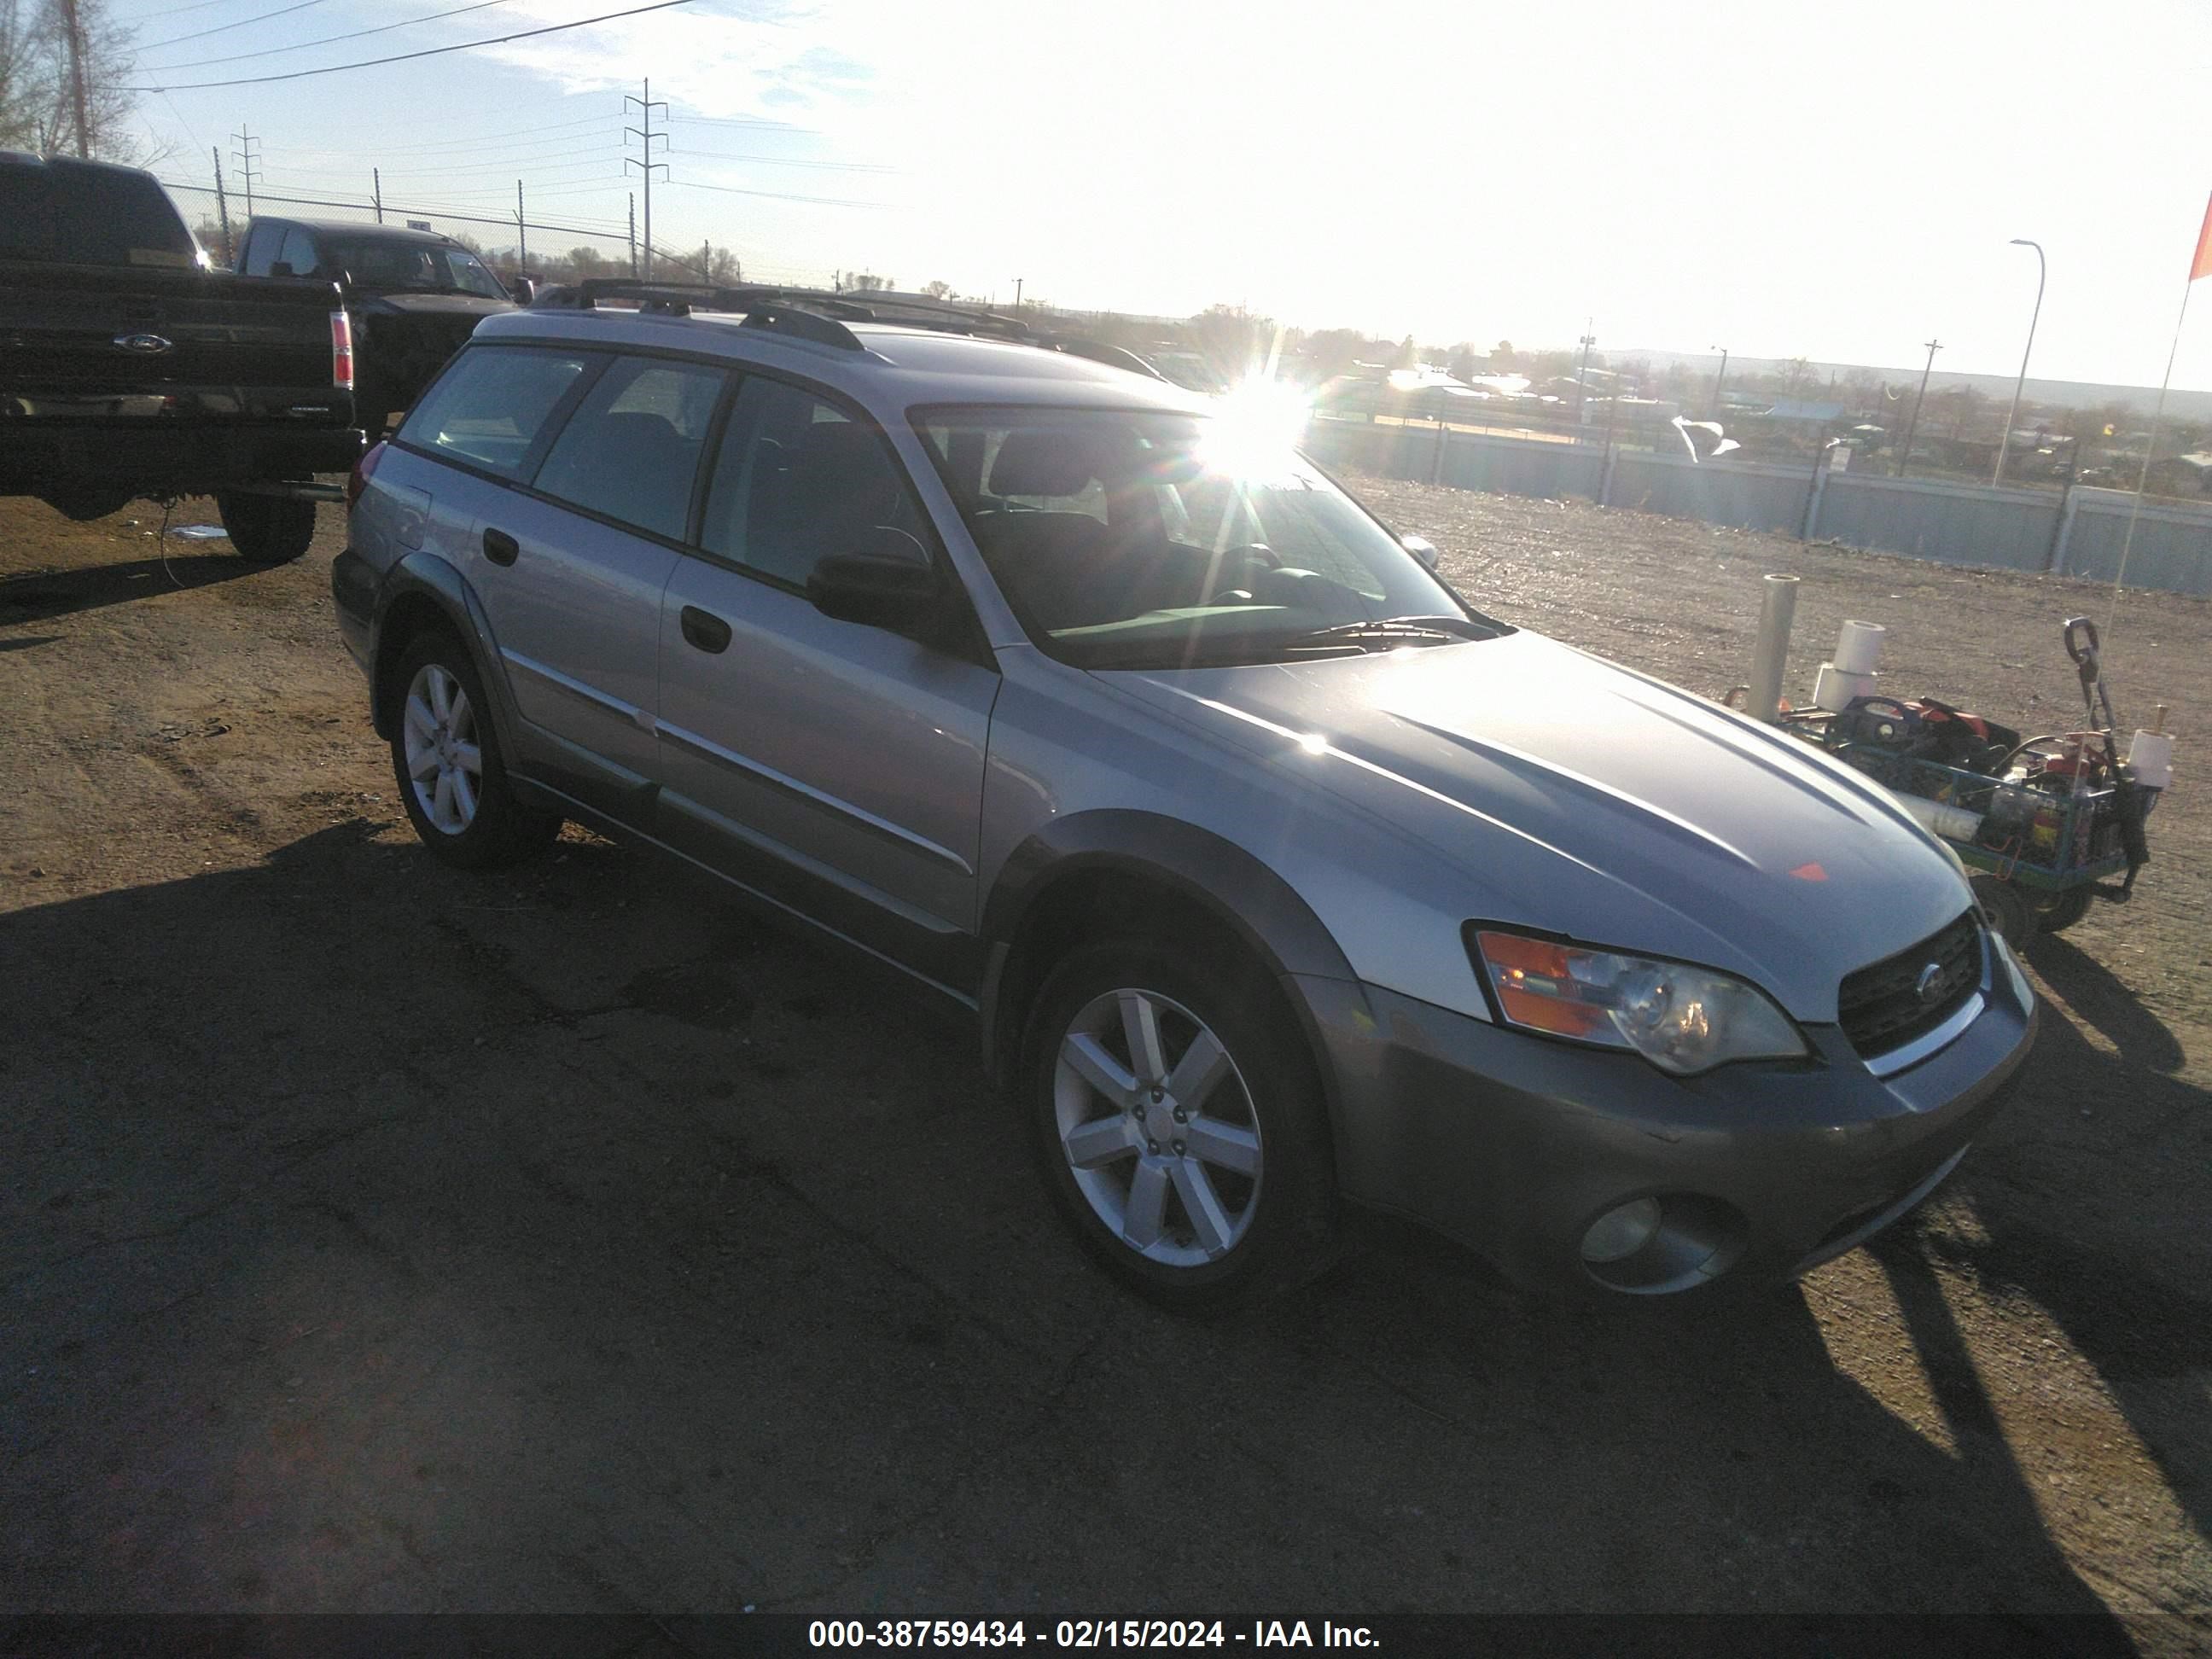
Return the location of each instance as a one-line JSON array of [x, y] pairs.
[[267, 529]]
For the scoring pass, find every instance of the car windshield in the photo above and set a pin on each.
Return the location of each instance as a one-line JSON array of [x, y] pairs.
[[1144, 539], [422, 267]]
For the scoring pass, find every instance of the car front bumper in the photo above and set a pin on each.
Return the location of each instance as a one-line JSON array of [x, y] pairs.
[[1515, 1145]]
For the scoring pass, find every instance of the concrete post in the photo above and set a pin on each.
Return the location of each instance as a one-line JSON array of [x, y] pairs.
[[1777, 608]]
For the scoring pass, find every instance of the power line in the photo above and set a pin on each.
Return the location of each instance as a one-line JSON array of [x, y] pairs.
[[491, 140], [744, 121], [408, 57], [172, 11], [224, 28], [328, 39], [786, 162], [561, 158], [779, 195]]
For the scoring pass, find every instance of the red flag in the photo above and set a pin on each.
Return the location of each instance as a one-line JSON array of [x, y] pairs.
[[2202, 264]]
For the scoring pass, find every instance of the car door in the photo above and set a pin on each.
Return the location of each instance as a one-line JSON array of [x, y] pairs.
[[848, 754], [575, 471]]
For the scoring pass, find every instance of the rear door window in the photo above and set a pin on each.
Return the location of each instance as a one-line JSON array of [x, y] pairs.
[[299, 253], [631, 450], [261, 250], [490, 407]]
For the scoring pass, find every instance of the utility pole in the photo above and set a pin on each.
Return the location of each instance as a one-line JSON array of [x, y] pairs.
[[633, 236], [706, 261], [1582, 375], [376, 183], [246, 158], [1018, 294], [1913, 425], [222, 209], [1715, 414], [521, 232], [75, 32], [646, 136], [2004, 439]]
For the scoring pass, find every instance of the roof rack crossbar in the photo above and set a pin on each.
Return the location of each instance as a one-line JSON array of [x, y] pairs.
[[681, 299]]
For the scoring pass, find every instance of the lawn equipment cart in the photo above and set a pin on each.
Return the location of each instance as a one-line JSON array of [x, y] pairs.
[[2044, 823]]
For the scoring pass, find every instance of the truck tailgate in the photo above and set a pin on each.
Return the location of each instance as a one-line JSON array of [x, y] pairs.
[[113, 343]]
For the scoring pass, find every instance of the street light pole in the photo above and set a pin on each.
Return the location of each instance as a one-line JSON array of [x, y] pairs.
[[2005, 439], [1715, 410]]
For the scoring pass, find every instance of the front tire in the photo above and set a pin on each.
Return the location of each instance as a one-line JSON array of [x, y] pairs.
[[2055, 912], [446, 757], [1177, 1118], [267, 529]]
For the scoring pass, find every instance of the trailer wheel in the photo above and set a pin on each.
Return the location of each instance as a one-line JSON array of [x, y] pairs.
[[2055, 912], [2007, 909]]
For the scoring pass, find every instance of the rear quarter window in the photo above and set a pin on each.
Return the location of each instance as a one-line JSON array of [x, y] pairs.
[[488, 407]]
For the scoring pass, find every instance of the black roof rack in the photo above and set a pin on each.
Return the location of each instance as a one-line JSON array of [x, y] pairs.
[[682, 298], [912, 310]]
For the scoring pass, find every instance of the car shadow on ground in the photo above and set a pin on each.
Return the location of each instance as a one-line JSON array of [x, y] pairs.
[[2094, 993], [41, 596], [376, 1238]]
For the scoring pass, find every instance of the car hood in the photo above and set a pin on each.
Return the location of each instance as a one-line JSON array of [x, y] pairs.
[[1581, 799]]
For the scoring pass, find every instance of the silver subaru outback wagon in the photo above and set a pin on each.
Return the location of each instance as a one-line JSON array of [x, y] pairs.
[[1278, 876]]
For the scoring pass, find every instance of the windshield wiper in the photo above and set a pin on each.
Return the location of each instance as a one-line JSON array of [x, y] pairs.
[[1402, 630]]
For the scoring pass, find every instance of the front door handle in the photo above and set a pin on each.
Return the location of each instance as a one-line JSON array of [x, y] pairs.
[[705, 629], [501, 548]]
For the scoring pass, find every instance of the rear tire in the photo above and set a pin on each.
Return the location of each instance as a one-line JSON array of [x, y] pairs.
[[2055, 913], [267, 529], [2006, 909], [447, 759], [1177, 1118]]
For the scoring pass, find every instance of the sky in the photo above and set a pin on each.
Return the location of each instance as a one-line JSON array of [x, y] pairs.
[[1781, 179]]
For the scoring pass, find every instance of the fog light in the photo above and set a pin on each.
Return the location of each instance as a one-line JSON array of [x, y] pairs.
[[1622, 1233]]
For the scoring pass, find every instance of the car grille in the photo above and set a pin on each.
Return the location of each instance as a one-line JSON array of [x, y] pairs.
[[1881, 1007]]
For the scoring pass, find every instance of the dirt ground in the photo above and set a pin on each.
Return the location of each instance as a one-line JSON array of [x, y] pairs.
[[375, 1237]]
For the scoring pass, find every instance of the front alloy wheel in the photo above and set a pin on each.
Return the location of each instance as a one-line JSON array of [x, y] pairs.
[[1158, 1128], [1178, 1120]]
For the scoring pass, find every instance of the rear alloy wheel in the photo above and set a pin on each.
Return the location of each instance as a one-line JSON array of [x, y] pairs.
[[1180, 1126], [446, 755], [267, 529]]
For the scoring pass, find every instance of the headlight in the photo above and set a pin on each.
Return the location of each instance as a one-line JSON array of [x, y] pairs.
[[1683, 1019]]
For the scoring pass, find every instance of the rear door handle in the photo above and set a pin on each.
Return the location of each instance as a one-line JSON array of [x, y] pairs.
[[705, 629], [501, 548]]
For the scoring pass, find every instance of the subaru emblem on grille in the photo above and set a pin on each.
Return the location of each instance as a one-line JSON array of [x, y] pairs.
[[1930, 985]]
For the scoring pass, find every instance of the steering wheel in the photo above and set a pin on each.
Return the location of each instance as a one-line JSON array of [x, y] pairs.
[[1250, 556]]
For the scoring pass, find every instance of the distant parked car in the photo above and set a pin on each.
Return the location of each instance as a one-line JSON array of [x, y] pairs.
[[414, 295], [1405, 396]]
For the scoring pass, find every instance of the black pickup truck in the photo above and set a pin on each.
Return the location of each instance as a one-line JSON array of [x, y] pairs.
[[128, 368], [415, 297]]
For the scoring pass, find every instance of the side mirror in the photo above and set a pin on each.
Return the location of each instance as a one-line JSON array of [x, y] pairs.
[[890, 583], [1422, 548]]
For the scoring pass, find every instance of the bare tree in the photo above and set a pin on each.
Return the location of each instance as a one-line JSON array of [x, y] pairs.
[[38, 95]]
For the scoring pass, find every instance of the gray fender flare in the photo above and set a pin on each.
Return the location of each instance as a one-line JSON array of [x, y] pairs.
[[426, 576], [1213, 875]]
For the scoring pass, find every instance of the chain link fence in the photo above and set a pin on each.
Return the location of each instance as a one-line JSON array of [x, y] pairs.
[[552, 249]]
